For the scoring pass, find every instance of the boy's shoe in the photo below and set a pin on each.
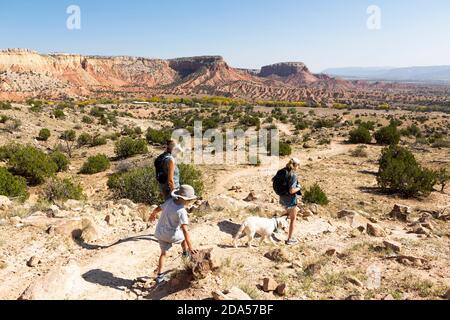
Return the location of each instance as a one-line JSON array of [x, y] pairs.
[[292, 242], [162, 278]]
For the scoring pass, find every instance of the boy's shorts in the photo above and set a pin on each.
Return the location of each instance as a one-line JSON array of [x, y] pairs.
[[166, 246]]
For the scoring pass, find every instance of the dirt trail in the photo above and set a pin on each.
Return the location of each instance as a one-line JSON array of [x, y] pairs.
[[112, 273], [226, 179]]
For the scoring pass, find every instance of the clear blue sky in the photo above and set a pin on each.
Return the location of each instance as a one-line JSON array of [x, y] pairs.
[[248, 33]]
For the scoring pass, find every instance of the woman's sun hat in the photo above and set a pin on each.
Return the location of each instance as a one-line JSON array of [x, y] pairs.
[[185, 192]]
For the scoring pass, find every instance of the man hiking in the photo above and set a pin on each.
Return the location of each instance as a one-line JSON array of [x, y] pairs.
[[286, 185], [172, 227], [167, 171]]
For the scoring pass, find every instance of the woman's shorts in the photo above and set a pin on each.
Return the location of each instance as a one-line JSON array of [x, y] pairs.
[[289, 202]]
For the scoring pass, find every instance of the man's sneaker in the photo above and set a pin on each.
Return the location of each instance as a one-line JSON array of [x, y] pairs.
[[292, 242], [162, 278]]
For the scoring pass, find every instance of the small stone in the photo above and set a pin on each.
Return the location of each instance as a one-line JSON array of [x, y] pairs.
[[251, 197], [400, 212], [355, 281], [389, 297], [313, 268], [33, 262], [375, 231], [394, 246], [269, 285], [281, 290], [277, 255]]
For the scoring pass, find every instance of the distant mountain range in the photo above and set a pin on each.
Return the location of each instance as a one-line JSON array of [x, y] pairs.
[[434, 74]]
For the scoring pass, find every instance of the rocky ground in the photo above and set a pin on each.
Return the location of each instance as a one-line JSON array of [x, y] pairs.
[[363, 245]]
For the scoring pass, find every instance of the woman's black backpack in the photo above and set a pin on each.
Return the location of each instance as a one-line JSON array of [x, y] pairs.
[[160, 170], [281, 182]]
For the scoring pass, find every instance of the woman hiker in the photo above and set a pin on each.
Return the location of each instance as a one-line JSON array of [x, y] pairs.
[[287, 186], [167, 171]]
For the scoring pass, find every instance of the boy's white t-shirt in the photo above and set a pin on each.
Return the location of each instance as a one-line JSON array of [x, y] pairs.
[[173, 216]]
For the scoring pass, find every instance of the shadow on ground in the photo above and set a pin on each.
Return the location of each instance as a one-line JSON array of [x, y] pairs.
[[88, 246], [229, 227], [107, 279]]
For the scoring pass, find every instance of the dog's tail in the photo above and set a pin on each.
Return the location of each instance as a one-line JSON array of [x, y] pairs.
[[239, 233]]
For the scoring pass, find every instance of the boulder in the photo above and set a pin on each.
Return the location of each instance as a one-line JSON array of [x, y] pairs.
[[5, 203], [59, 284], [269, 285], [232, 294], [400, 212], [90, 232], [203, 263], [375, 230], [71, 228], [353, 218]]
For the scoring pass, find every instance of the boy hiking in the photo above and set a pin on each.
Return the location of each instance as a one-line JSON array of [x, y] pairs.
[[172, 227], [167, 171], [286, 185]]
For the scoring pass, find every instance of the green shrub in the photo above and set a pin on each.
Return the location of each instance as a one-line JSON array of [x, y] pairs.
[[98, 140], [413, 131], [388, 135], [193, 177], [62, 190], [84, 139], [159, 137], [60, 160], [69, 137], [5, 106], [128, 147], [140, 185], [360, 135], [360, 152], [285, 149], [32, 164], [7, 151], [59, 114], [11, 186], [316, 195], [4, 118], [96, 164], [87, 120], [441, 143], [44, 134], [400, 173]]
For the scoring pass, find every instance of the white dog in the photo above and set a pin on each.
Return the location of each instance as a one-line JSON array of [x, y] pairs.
[[262, 226]]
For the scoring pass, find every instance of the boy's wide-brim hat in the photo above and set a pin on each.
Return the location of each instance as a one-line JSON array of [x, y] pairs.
[[185, 192]]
